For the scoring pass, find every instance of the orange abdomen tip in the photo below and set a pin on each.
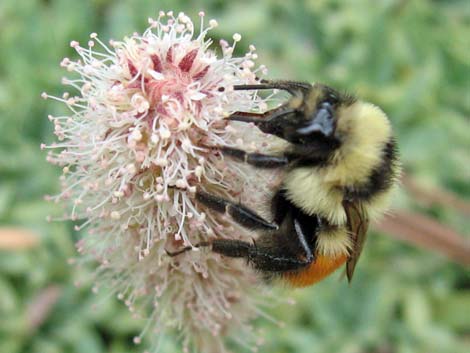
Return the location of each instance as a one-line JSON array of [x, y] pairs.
[[319, 269]]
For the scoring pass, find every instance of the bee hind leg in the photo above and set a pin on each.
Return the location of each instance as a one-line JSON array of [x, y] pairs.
[[263, 258], [239, 213], [187, 248], [266, 259], [280, 251]]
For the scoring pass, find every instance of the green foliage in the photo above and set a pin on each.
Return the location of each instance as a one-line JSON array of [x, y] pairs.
[[409, 57]]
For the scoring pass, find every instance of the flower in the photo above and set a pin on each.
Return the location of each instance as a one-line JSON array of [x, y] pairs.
[[134, 150]]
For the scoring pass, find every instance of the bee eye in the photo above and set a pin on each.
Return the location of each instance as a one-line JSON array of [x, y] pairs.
[[322, 121], [326, 105]]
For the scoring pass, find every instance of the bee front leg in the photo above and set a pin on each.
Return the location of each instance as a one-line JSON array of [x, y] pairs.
[[248, 117], [271, 122], [256, 159]]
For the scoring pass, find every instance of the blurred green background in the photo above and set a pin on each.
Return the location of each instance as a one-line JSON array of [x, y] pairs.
[[409, 57]]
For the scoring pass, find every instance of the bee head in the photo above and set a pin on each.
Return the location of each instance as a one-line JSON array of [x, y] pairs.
[[309, 117]]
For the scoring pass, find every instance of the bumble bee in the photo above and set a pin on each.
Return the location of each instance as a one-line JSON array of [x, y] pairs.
[[340, 166]]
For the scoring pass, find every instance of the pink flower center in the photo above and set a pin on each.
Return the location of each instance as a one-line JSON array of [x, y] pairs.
[[166, 84]]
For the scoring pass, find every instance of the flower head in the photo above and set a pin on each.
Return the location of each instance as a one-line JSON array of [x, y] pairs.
[[134, 150]]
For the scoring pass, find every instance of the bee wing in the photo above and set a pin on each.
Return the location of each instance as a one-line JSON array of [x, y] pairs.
[[358, 223]]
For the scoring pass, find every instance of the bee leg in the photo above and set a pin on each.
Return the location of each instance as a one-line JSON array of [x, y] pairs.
[[256, 159], [261, 258], [270, 122], [239, 213], [249, 117], [270, 257], [187, 248]]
